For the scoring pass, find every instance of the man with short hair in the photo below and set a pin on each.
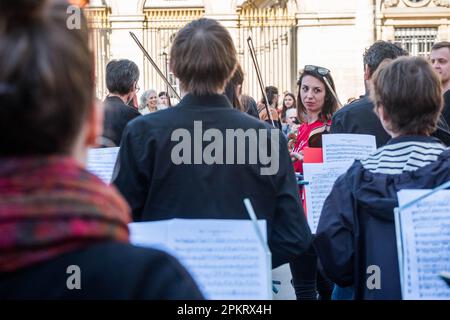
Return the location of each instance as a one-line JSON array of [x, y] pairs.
[[359, 117], [188, 162], [440, 59], [121, 80]]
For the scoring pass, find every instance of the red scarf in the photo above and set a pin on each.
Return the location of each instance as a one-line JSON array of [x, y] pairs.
[[49, 206]]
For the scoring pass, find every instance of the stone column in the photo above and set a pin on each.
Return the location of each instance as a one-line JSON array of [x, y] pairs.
[[225, 13], [388, 33], [127, 16], [444, 32], [365, 23]]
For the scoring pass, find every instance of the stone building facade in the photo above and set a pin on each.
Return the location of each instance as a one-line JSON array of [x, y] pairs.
[[287, 34]]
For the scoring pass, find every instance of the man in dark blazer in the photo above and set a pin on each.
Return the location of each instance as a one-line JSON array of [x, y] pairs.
[[359, 116], [189, 162], [121, 80]]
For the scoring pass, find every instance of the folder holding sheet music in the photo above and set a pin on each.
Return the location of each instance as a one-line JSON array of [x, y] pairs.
[[339, 152], [422, 224], [101, 161], [228, 259]]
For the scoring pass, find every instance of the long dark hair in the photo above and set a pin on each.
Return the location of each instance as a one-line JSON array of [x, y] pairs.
[[330, 104], [284, 108], [165, 94], [230, 89]]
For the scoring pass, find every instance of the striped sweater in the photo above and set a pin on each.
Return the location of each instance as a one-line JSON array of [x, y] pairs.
[[404, 154]]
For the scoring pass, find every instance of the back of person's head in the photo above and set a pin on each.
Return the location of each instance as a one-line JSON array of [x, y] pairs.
[[379, 51], [234, 88], [203, 57], [409, 92], [121, 76], [46, 78], [247, 103], [272, 95], [440, 45]]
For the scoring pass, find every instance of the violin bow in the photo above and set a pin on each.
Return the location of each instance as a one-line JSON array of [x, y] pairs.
[[154, 64], [259, 76]]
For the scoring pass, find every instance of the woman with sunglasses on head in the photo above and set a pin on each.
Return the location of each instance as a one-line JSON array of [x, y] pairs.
[[316, 104]]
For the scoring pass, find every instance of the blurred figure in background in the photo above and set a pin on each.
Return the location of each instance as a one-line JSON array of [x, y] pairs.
[[292, 123], [121, 80], [440, 59], [289, 102], [272, 97], [163, 101], [148, 102]]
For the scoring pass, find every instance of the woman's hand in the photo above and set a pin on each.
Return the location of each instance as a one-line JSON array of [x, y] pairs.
[[296, 156]]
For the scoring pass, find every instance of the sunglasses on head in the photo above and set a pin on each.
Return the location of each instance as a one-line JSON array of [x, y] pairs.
[[320, 70]]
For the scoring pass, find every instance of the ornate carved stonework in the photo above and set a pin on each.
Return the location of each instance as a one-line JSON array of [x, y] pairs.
[[416, 4], [442, 3], [391, 3]]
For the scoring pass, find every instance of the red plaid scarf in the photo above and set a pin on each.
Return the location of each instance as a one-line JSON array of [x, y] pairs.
[[49, 206]]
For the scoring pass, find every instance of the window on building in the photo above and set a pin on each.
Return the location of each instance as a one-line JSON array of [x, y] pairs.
[[418, 41]]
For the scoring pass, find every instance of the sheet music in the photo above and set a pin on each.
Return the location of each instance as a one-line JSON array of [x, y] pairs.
[[347, 147], [152, 234], [321, 178], [425, 232], [101, 161], [225, 257]]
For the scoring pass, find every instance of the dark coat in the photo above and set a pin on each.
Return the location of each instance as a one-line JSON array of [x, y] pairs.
[[446, 110], [158, 189], [109, 270], [359, 117], [117, 115], [357, 229]]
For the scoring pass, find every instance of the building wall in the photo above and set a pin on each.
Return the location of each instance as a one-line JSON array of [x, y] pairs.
[[329, 33]]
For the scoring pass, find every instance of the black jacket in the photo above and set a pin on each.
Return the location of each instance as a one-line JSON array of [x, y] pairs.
[[359, 117], [158, 189], [446, 110], [357, 228], [117, 115], [109, 270]]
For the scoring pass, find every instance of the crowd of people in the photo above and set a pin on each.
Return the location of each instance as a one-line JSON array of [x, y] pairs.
[[54, 213]]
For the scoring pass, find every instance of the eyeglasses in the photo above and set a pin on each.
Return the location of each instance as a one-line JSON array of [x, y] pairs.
[[137, 88], [320, 70]]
